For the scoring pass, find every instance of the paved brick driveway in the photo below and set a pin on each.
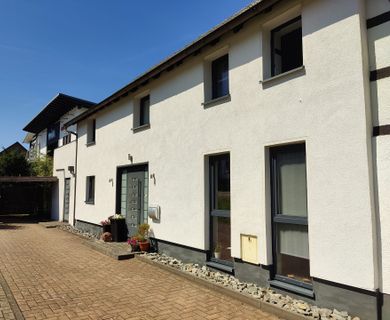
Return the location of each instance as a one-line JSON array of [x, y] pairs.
[[52, 275]]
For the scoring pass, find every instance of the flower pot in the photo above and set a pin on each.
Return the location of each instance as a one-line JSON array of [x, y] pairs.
[[144, 246], [106, 228], [217, 255], [119, 230]]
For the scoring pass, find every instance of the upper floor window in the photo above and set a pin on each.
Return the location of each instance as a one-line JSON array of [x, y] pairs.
[[91, 131], [286, 47], [66, 139], [144, 108], [53, 135], [220, 77], [141, 115]]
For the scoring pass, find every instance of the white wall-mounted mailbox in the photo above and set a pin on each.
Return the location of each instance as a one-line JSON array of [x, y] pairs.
[[154, 213]]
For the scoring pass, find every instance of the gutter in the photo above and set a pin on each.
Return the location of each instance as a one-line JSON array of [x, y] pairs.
[[233, 24], [74, 174]]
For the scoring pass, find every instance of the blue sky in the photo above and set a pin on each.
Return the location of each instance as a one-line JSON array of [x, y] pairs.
[[89, 48]]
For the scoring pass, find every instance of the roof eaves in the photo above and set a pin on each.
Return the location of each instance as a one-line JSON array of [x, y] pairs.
[[238, 19], [84, 103]]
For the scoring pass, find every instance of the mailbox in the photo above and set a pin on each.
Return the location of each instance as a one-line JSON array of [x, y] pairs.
[[154, 213]]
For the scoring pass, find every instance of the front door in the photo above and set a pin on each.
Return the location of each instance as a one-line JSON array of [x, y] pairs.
[[66, 199], [133, 196]]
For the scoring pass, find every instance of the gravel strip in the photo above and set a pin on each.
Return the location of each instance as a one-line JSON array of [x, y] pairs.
[[263, 294], [75, 231]]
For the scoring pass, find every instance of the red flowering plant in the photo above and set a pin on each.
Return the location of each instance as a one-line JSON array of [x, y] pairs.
[[105, 222], [133, 241]]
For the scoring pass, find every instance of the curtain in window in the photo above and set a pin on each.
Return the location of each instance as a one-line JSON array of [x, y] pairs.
[[292, 184]]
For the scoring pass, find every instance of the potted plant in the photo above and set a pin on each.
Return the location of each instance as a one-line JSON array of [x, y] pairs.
[[142, 236], [118, 228], [217, 251], [133, 242], [106, 224]]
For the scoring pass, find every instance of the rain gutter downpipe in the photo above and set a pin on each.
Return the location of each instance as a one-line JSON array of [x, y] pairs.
[[74, 174]]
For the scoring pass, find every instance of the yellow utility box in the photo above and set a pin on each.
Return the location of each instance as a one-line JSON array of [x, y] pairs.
[[249, 249]]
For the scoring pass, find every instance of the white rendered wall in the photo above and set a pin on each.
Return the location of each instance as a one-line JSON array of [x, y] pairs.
[[325, 107], [63, 158]]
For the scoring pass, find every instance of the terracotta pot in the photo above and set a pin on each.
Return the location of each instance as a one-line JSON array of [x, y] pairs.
[[144, 246]]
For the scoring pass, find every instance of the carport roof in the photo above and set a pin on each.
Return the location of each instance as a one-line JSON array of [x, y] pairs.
[[28, 179]]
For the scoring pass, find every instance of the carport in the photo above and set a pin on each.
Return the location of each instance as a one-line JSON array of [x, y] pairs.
[[26, 195]]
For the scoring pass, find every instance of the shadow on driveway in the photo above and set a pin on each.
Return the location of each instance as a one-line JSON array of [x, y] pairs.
[[7, 219]]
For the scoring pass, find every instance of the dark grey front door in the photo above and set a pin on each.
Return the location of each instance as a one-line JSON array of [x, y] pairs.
[[66, 199], [133, 197]]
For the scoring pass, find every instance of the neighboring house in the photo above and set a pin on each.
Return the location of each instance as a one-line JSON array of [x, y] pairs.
[[46, 134], [266, 137], [46, 131], [16, 147]]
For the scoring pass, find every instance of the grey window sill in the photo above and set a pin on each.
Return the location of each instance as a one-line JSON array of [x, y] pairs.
[[89, 202], [220, 266], [292, 288], [216, 101], [282, 75], [141, 128], [89, 144]]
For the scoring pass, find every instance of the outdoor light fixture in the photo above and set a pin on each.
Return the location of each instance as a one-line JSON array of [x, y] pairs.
[[130, 157], [153, 177], [71, 169]]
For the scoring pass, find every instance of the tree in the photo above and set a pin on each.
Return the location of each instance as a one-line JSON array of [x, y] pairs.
[[14, 163], [42, 166]]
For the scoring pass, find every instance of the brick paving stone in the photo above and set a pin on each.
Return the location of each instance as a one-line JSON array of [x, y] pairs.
[[53, 275]]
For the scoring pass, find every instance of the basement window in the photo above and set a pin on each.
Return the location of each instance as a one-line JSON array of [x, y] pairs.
[[286, 47]]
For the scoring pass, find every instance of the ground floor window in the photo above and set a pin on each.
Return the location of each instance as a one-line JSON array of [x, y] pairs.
[[289, 214], [220, 243], [90, 190]]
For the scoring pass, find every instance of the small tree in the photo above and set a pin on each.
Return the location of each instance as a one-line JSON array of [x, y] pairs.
[[42, 166], [14, 163]]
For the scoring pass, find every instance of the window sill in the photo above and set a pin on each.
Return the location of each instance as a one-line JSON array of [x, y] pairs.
[[216, 101], [89, 202], [220, 266], [141, 128], [292, 288], [282, 75], [89, 144]]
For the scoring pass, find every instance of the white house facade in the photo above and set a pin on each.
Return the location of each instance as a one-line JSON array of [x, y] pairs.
[[267, 138]]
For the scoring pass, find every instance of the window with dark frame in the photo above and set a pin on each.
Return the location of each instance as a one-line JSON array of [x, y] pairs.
[[66, 139], [90, 190], [144, 111], [220, 77], [52, 137], [219, 167], [286, 47], [91, 131], [289, 215]]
